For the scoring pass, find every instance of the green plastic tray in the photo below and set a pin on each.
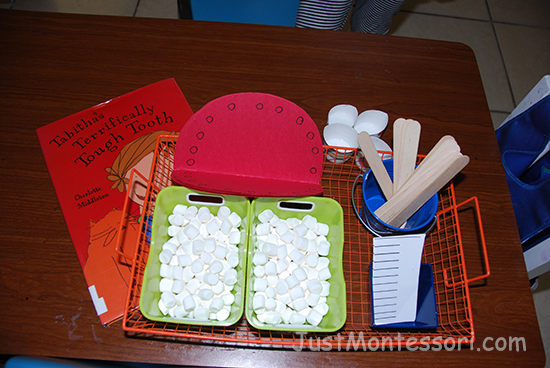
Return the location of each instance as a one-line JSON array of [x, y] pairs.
[[328, 211], [166, 200]]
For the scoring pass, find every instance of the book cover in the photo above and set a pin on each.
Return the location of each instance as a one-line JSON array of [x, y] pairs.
[[90, 156]]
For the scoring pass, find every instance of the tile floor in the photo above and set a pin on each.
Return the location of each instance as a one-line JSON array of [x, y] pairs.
[[510, 38]]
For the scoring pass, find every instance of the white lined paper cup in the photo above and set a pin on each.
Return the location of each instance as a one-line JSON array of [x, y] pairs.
[[340, 135], [342, 114], [374, 122]]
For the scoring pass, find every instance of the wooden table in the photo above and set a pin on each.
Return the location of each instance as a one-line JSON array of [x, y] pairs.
[[53, 65]]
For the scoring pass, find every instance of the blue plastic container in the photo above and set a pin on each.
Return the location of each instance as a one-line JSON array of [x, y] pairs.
[[426, 305], [373, 198]]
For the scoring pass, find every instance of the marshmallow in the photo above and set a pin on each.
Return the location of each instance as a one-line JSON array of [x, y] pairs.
[[170, 246], [218, 288], [184, 260], [272, 317], [282, 265], [282, 251], [282, 228], [281, 287], [204, 215], [312, 259], [312, 299], [201, 313], [216, 305], [260, 285], [322, 308], [234, 237], [187, 274], [206, 294], [296, 293], [297, 319], [206, 258], [321, 229], [179, 209], [213, 226], [263, 229], [223, 212], [271, 268], [311, 246], [192, 286], [265, 216], [162, 307], [270, 248], [309, 221], [323, 262], [165, 256], [258, 302], [292, 222], [270, 292], [165, 270], [226, 226], [190, 212], [210, 278], [187, 246], [323, 248], [235, 219], [259, 271], [179, 312], [301, 243], [173, 230], [275, 221], [197, 266], [230, 277], [191, 231], [314, 318], [314, 286], [297, 256], [169, 299], [223, 314], [198, 246], [165, 285], [177, 272], [270, 304], [300, 273], [292, 281], [215, 267], [324, 274], [299, 304], [300, 230], [285, 315], [326, 288], [220, 252], [181, 236], [176, 220], [287, 237], [232, 259], [260, 258]]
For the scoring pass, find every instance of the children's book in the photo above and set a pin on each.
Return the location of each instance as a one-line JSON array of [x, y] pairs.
[[90, 156]]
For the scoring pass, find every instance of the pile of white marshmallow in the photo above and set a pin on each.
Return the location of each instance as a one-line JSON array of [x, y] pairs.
[[198, 263], [290, 268]]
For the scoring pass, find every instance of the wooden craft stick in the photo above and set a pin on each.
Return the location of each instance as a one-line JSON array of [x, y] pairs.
[[406, 136], [375, 163], [405, 203]]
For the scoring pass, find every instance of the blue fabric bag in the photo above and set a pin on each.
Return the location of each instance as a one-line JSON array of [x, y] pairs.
[[522, 140]]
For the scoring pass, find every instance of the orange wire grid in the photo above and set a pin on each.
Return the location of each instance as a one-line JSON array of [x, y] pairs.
[[443, 250]]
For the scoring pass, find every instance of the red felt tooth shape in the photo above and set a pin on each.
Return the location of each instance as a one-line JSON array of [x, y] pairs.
[[250, 144]]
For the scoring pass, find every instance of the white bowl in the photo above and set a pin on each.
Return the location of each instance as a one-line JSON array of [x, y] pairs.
[[374, 122], [342, 114], [340, 135]]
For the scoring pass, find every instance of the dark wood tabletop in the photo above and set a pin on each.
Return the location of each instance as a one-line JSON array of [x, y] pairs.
[[54, 65]]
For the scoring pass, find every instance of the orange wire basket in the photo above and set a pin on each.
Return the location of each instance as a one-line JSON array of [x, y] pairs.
[[443, 250]]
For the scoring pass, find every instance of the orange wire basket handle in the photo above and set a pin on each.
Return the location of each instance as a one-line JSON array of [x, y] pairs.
[[124, 218], [483, 245]]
